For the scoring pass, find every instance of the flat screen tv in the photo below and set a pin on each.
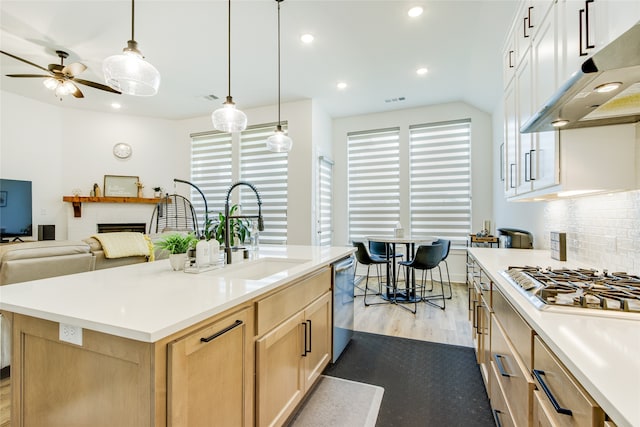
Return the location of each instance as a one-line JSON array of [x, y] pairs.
[[15, 209]]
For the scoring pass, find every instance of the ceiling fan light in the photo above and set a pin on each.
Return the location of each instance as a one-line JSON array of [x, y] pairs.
[[228, 118], [279, 142], [50, 83], [129, 73]]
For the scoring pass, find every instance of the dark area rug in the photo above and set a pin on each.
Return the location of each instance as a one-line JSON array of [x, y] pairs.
[[426, 383]]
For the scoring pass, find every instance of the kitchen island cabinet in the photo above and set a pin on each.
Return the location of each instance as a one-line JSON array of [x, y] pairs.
[[592, 358], [155, 347]]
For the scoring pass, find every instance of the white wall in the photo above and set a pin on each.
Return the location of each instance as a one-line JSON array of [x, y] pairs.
[[481, 163], [61, 149]]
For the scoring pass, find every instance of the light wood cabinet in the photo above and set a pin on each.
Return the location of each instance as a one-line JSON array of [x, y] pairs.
[[291, 356], [210, 375]]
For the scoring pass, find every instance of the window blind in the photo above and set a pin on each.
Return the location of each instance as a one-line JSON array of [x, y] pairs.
[[440, 180], [268, 172], [325, 201], [211, 171], [374, 182]]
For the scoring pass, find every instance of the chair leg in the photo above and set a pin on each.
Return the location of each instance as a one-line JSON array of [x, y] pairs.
[[429, 299], [448, 280]]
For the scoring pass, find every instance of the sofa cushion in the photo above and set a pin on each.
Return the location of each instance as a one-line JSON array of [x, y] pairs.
[[49, 248]]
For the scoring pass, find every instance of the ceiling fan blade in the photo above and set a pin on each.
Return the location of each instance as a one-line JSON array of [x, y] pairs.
[[77, 93], [96, 85], [23, 60], [28, 75], [73, 69]]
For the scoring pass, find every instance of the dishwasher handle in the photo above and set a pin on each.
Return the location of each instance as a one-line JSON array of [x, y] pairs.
[[343, 265]]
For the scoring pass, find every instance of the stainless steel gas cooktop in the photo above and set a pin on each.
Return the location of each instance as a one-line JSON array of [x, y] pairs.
[[579, 291]]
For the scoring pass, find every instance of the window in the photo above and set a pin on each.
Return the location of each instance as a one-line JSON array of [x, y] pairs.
[[269, 173], [374, 182], [214, 169], [440, 180]]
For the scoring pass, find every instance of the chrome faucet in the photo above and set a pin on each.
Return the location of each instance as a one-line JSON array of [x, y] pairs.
[[227, 233]]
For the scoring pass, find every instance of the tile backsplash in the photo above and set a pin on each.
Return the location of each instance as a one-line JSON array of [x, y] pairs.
[[602, 231]]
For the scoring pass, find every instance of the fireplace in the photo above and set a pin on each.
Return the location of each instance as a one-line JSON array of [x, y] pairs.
[[138, 227]]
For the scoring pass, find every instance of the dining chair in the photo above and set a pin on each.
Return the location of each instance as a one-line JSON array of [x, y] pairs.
[[446, 247], [427, 258], [382, 250], [365, 258]]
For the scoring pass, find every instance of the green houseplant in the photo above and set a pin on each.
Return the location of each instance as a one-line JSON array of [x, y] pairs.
[[238, 228], [177, 245]]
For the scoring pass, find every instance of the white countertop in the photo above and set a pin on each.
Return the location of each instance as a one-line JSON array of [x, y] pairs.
[[602, 353], [147, 302]]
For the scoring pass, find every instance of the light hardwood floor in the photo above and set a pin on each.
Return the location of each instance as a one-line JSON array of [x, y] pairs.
[[5, 402], [449, 326]]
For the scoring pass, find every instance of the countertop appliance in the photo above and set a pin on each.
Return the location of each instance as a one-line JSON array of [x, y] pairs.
[[584, 100], [578, 291], [343, 273], [519, 239]]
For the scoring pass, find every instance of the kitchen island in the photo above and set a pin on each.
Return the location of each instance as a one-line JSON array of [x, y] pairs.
[[122, 346], [601, 351]]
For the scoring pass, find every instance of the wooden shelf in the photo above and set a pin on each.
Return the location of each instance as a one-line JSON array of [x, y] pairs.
[[78, 200]]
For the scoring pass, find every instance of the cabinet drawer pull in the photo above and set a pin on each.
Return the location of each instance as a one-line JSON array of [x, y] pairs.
[[497, 358], [580, 28], [586, 21], [527, 166], [309, 350], [222, 332], [496, 418], [531, 169], [538, 374], [529, 17], [304, 346], [512, 172], [525, 25]]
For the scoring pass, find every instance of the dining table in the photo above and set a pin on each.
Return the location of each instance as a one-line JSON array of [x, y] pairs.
[[410, 241]]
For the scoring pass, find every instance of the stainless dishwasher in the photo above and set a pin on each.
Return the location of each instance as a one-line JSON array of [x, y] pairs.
[[343, 271]]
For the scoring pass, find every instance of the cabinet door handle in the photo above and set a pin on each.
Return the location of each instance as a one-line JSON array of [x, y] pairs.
[[512, 170], [580, 30], [496, 418], [525, 25], [309, 322], [498, 358], [538, 374], [222, 332], [529, 17], [587, 21], [531, 177], [511, 59], [527, 166], [304, 346]]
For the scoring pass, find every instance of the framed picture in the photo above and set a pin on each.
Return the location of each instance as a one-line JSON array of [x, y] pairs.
[[3, 198], [120, 186]]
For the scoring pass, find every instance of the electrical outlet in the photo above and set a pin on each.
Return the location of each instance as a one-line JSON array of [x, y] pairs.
[[71, 334]]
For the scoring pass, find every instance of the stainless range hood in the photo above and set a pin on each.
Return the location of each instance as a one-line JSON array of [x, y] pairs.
[[578, 102]]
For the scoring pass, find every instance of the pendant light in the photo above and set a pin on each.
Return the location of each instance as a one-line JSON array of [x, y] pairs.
[[279, 142], [128, 72], [229, 118]]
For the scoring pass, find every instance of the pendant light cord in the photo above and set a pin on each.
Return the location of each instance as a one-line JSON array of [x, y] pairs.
[[279, 1], [132, 18], [229, 48]]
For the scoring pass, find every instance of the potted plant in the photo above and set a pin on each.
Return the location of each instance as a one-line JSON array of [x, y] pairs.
[[177, 245], [238, 228], [157, 192]]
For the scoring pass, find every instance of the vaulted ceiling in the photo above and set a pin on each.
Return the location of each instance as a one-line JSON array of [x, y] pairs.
[[373, 46]]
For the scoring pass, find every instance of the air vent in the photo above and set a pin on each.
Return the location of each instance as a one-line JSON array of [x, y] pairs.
[[399, 99], [210, 97]]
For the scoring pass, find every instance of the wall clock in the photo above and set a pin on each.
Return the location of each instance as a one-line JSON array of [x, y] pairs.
[[122, 150]]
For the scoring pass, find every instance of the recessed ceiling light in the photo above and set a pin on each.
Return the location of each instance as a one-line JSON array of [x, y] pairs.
[[415, 11], [115, 105], [341, 85], [608, 87], [421, 71], [559, 123], [306, 38]]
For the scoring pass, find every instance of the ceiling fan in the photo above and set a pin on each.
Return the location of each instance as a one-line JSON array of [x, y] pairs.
[[62, 78]]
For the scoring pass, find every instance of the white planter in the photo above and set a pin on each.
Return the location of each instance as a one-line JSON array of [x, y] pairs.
[[177, 261]]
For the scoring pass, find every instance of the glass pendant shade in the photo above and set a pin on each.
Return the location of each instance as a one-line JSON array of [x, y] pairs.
[[129, 73], [279, 142], [229, 118]]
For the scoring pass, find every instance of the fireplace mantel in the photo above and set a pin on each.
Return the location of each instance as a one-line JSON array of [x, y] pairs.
[[78, 200]]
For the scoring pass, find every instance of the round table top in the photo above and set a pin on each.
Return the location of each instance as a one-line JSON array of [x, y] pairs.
[[407, 238]]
